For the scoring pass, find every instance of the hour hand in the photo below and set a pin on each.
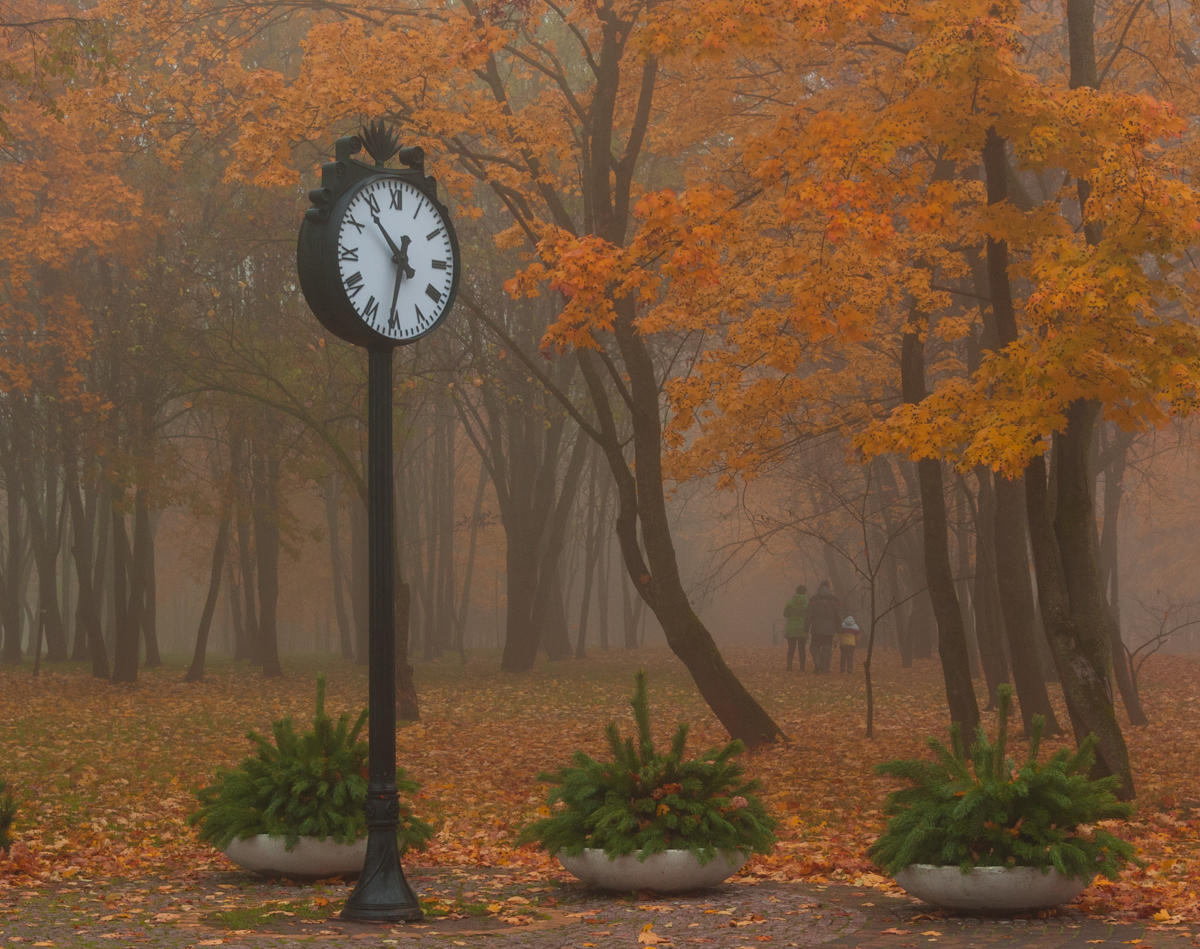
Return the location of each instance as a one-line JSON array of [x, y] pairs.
[[402, 264]]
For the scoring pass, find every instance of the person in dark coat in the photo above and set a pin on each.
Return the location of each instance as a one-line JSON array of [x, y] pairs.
[[823, 622]]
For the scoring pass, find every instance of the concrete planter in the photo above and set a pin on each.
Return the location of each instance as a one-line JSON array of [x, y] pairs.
[[672, 871], [311, 859], [995, 891]]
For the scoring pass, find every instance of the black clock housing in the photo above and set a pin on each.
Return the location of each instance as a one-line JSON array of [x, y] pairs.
[[377, 255]]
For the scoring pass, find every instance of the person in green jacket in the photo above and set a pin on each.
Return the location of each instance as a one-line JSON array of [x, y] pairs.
[[795, 632]]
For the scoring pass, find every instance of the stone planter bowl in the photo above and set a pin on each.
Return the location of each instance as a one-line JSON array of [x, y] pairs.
[[672, 871], [995, 891], [311, 859]]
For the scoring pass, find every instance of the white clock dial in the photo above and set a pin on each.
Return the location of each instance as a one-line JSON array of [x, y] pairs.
[[396, 257]]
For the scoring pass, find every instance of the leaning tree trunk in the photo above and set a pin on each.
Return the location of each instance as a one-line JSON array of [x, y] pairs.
[[642, 503]]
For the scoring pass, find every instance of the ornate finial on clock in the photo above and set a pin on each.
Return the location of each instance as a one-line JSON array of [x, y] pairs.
[[380, 140]]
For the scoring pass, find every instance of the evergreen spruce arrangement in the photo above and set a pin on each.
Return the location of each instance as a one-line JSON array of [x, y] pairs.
[[302, 785], [8, 811], [645, 802], [980, 810]]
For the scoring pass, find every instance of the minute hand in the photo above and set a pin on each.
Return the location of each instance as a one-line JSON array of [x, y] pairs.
[[396, 252]]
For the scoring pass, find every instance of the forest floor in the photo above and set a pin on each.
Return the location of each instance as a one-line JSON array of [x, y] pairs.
[[105, 777]]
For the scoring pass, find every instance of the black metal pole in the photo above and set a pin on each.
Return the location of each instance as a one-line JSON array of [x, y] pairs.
[[382, 892]]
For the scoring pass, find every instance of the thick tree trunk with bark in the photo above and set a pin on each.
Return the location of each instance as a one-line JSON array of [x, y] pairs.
[[1011, 538], [1114, 477], [1064, 538], [986, 599], [1068, 591]]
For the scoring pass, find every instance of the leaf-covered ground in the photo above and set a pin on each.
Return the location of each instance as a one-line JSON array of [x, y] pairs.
[[105, 775]]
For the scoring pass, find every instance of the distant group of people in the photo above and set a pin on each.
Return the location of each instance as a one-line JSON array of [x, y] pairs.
[[817, 625]]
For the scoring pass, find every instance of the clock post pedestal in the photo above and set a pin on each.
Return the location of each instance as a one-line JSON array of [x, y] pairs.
[[382, 892]]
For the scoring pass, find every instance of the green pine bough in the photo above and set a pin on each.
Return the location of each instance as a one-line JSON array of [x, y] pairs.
[[645, 802], [302, 785], [979, 809], [8, 811]]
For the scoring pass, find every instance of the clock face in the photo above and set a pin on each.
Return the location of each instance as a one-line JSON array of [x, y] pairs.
[[396, 257]]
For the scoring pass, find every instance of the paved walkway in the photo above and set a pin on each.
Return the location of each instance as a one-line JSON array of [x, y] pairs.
[[486, 908]]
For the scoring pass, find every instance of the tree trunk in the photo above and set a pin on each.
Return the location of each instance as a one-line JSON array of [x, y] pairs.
[[989, 619], [407, 707], [127, 634], [1011, 537], [265, 466], [642, 503], [195, 671], [464, 603], [521, 633], [10, 605], [952, 640], [1073, 612], [87, 607], [1114, 479], [333, 528], [144, 585], [247, 628]]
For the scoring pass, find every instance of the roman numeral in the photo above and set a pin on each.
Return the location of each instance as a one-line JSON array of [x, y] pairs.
[[372, 201], [438, 265], [354, 283], [397, 198], [348, 253], [371, 310], [433, 293], [350, 220], [432, 234]]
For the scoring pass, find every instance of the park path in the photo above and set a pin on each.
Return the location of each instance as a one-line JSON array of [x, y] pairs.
[[490, 908]]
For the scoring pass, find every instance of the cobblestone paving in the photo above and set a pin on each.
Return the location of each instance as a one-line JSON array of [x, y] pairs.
[[490, 909]]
